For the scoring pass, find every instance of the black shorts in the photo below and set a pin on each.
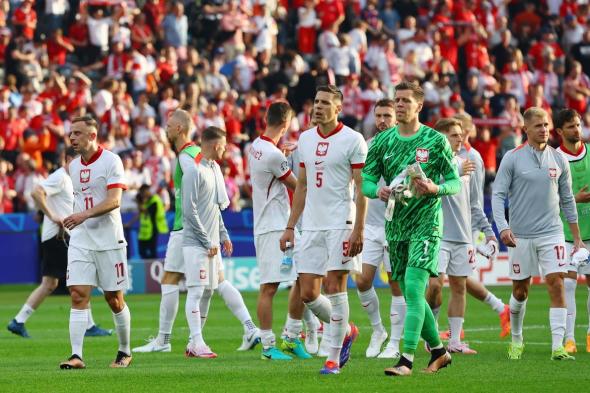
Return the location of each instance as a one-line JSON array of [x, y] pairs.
[[55, 257]]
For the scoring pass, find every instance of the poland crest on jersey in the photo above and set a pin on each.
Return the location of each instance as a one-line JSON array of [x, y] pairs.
[[553, 173], [422, 155], [84, 175], [322, 149]]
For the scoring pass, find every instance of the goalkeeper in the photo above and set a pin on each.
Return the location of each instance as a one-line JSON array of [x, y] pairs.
[[415, 229]]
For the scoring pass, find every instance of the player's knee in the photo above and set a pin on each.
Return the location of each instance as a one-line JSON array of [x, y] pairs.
[[363, 283], [434, 286], [308, 295], [267, 290], [115, 302], [79, 297], [50, 285], [520, 293]]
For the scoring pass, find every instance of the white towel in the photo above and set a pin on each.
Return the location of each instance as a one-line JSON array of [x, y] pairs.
[[222, 198]]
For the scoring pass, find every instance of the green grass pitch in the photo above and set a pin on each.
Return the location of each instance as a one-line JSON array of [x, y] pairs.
[[31, 365]]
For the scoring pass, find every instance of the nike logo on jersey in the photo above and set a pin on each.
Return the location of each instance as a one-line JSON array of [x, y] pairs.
[[85, 188], [119, 282], [319, 162], [525, 172], [388, 156]]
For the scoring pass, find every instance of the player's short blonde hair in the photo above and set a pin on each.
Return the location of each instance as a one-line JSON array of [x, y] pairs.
[[533, 112], [445, 124], [465, 119], [87, 120]]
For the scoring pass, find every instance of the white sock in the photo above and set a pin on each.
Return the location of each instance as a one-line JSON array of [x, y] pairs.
[[570, 301], [321, 307], [397, 315], [455, 326], [557, 317], [496, 304], [193, 314], [311, 321], [435, 312], [204, 306], [338, 324], [78, 321], [90, 319], [25, 312], [409, 356], [293, 327], [234, 301], [370, 303], [123, 328], [168, 311], [517, 311], [588, 309], [267, 337]]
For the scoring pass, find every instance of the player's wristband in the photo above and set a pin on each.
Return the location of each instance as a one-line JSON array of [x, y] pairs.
[[291, 228]]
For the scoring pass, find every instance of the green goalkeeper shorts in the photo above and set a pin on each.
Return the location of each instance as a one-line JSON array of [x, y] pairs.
[[422, 254]]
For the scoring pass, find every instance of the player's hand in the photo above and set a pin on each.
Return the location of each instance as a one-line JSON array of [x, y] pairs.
[[583, 196], [74, 220], [578, 243], [384, 193], [288, 147], [467, 167], [491, 239], [228, 247], [355, 243], [288, 236], [425, 187], [508, 238], [212, 251]]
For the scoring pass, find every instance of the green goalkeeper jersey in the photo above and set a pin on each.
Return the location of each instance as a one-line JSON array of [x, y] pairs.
[[580, 170], [192, 150], [389, 154]]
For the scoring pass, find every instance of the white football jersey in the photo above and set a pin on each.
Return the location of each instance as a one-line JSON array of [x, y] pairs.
[[60, 200], [268, 166], [91, 181], [328, 161]]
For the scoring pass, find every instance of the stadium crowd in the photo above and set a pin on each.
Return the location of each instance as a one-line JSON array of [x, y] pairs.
[[132, 63]]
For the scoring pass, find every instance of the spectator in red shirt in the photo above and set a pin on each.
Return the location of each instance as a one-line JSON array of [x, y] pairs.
[[25, 20], [4, 41], [48, 122], [541, 49], [78, 36], [58, 47], [141, 32], [577, 89], [154, 11], [487, 146], [529, 17], [330, 12], [7, 192], [11, 131]]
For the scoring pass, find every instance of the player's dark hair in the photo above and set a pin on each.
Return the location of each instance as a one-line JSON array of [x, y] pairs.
[[332, 89], [565, 116], [86, 119], [278, 113], [212, 134], [388, 102], [445, 124], [416, 90]]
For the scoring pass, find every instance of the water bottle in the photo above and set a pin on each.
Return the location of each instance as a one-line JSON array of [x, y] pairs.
[[287, 262]]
